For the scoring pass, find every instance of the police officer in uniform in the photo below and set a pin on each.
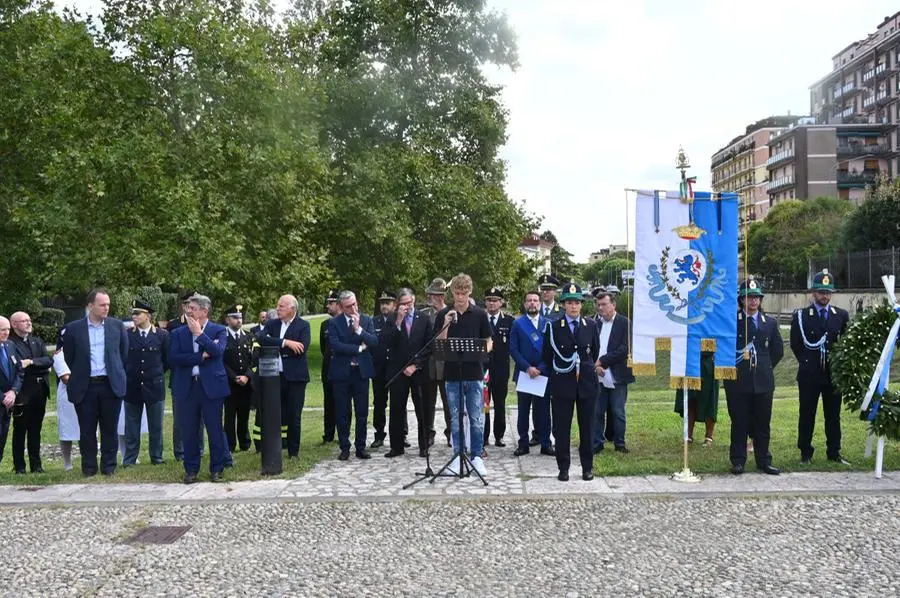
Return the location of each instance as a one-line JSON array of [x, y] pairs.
[[238, 360], [814, 330], [386, 302], [749, 397], [571, 350], [31, 402], [498, 364], [145, 367], [550, 310], [333, 307]]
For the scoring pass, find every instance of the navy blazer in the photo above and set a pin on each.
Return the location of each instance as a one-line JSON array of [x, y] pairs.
[[616, 357], [295, 367], [769, 350], [587, 344], [401, 346], [182, 358], [146, 366], [809, 361], [14, 382], [526, 344], [498, 358], [77, 352], [345, 345]]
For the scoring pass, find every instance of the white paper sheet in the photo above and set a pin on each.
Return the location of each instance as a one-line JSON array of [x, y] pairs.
[[533, 386]]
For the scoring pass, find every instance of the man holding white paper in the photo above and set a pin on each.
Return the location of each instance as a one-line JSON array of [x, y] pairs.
[[525, 343]]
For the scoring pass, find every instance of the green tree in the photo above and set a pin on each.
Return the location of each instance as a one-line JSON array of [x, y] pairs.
[[561, 263], [876, 223], [792, 232]]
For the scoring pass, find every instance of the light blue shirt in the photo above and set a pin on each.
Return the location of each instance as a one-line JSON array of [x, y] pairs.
[[97, 336], [570, 320]]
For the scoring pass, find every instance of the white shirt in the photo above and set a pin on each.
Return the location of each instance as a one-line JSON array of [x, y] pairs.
[[195, 371], [607, 380], [535, 321], [546, 309], [235, 334], [284, 328]]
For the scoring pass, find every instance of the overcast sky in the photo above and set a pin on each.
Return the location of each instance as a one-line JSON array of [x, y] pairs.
[[607, 90]]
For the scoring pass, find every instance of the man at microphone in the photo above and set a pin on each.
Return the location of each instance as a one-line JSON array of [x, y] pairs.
[[465, 381]]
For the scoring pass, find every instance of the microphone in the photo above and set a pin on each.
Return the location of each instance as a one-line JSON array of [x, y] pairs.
[[454, 315]]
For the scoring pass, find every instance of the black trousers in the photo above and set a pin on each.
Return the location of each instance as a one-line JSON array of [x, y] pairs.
[[293, 395], [27, 429], [498, 390], [330, 412], [432, 389], [379, 406], [810, 390], [99, 406], [750, 411], [563, 409], [400, 391], [237, 416]]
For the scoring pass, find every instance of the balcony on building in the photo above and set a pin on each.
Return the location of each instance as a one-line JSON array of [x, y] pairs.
[[847, 180], [855, 149], [779, 184], [850, 89], [882, 97], [780, 157]]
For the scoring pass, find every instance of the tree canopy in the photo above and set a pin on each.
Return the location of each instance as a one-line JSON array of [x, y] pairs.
[[215, 145], [876, 223]]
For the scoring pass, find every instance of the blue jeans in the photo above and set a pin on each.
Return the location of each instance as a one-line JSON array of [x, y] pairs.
[[541, 407], [133, 413], [473, 391], [615, 399]]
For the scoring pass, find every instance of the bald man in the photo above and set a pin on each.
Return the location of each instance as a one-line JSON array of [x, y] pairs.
[[32, 355], [10, 381], [291, 335]]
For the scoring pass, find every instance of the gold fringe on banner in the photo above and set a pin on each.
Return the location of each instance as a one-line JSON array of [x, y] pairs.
[[678, 382], [708, 345], [726, 373], [643, 369], [663, 344]]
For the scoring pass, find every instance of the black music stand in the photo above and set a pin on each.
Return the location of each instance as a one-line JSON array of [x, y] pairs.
[[458, 351]]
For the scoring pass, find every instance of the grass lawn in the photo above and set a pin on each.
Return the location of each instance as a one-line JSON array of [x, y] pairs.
[[654, 437]]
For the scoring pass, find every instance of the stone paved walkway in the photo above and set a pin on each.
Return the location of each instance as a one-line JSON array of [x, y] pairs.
[[532, 475]]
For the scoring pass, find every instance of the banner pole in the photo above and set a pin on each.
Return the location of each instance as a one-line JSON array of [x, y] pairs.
[[685, 475]]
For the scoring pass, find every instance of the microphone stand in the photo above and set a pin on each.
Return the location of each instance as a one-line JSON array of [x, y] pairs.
[[428, 473]]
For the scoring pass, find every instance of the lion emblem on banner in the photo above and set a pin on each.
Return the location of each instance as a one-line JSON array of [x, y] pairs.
[[686, 284]]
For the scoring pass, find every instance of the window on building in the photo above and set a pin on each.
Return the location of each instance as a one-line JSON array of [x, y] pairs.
[[791, 195]]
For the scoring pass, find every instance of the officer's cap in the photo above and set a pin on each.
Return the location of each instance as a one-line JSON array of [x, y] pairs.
[[548, 282], [235, 311], [823, 282], [138, 306], [494, 293], [571, 292], [386, 296]]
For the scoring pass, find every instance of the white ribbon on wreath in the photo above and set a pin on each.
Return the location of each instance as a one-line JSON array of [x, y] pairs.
[[879, 381]]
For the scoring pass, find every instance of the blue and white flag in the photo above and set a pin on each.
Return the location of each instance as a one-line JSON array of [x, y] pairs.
[[685, 283]]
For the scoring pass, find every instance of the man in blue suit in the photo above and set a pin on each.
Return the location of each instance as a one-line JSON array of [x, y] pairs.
[[352, 336], [95, 349], [291, 334], [612, 370], [200, 386], [526, 340], [11, 379]]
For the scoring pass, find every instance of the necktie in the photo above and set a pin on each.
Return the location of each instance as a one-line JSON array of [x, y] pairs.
[[408, 321], [574, 327], [752, 327], [493, 322], [546, 311], [823, 313], [143, 334], [4, 361]]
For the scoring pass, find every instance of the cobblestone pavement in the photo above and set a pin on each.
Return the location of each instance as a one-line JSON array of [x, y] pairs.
[[586, 546]]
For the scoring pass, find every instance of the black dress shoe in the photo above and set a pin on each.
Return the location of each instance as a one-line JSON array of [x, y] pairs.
[[363, 455], [737, 469], [344, 456], [622, 449], [163, 462], [769, 470], [20, 472], [839, 459], [563, 476], [805, 460], [216, 476], [598, 449], [534, 440], [550, 451], [499, 443], [378, 443], [520, 451], [587, 476], [190, 478], [37, 469], [393, 453]]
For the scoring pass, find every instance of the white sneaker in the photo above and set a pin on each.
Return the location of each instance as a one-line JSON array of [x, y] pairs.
[[454, 466], [478, 464]]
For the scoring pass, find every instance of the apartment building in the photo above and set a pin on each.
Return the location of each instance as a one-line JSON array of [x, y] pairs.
[[740, 167]]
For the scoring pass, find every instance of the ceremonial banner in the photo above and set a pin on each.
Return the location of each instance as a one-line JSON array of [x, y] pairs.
[[685, 283]]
